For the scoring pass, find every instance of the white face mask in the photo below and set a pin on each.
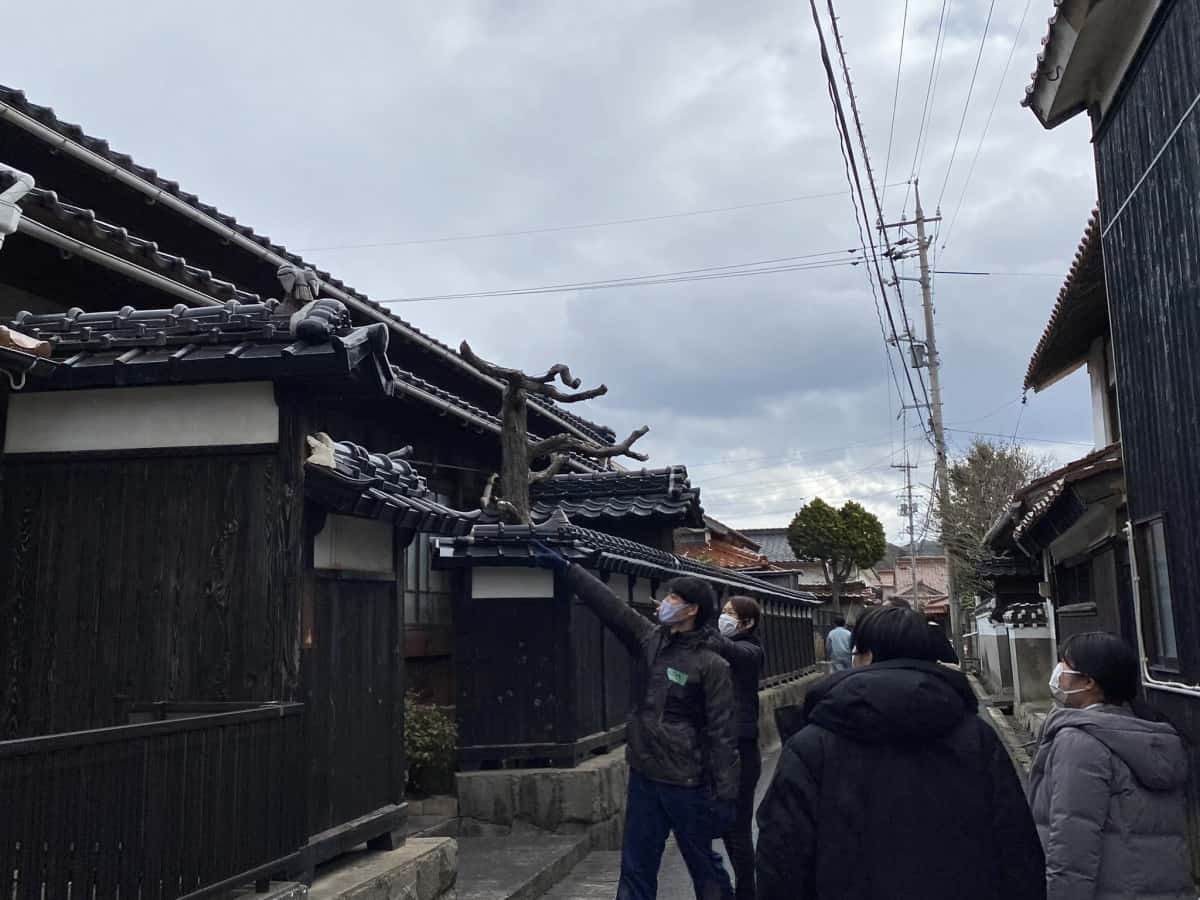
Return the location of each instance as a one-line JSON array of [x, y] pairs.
[[1059, 694], [727, 624]]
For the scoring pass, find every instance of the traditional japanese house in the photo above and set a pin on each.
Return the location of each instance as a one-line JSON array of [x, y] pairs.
[[540, 680], [181, 539], [719, 545]]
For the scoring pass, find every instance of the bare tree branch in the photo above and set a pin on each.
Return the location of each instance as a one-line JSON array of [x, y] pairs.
[[549, 390], [512, 376], [565, 443], [557, 461], [513, 513], [558, 370], [489, 490]]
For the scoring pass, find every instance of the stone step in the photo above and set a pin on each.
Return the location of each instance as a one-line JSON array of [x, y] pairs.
[[423, 869], [279, 890], [516, 867], [593, 879], [431, 826]]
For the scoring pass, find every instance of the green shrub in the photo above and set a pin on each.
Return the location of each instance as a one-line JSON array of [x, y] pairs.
[[430, 740]]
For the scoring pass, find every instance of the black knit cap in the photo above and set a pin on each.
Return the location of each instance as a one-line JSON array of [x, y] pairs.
[[696, 591]]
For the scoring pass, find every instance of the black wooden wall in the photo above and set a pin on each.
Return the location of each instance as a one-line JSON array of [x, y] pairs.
[[1152, 267], [152, 578]]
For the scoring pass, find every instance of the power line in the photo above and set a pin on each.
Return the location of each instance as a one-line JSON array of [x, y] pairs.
[[987, 124], [967, 103], [862, 140], [887, 166], [576, 227], [1008, 437], [632, 281], [928, 96], [997, 274], [937, 79], [855, 183]]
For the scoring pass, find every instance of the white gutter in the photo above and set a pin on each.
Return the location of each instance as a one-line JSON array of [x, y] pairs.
[[40, 232], [1173, 687], [10, 213], [159, 195]]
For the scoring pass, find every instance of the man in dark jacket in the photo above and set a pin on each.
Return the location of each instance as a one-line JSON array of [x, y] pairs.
[[895, 788], [682, 747]]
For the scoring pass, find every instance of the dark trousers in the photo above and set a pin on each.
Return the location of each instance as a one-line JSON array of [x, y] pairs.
[[739, 841], [652, 811]]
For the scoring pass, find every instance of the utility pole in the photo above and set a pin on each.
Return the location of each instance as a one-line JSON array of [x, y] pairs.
[[935, 413], [910, 511]]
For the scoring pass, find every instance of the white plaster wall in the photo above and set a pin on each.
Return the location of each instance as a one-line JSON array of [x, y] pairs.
[[348, 543], [499, 584], [137, 418]]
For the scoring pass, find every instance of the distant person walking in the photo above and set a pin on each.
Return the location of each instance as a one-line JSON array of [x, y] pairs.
[[895, 788], [682, 744], [838, 644], [737, 642], [1107, 788]]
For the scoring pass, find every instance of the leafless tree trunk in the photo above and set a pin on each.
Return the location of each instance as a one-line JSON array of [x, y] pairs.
[[517, 454]]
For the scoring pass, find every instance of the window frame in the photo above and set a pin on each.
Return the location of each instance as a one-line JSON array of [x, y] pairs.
[[1155, 627]]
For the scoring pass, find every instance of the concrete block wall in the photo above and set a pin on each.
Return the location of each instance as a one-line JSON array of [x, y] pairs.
[[588, 799]]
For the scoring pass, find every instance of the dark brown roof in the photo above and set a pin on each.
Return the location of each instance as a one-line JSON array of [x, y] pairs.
[[46, 117], [1080, 314], [352, 480]]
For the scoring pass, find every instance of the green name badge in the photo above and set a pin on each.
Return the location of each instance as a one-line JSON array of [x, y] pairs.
[[676, 676]]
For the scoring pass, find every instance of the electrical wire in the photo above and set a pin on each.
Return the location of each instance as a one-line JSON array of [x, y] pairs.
[[933, 66], [1009, 437], [857, 197], [632, 281], [987, 24], [937, 80], [887, 166], [987, 123], [576, 227]]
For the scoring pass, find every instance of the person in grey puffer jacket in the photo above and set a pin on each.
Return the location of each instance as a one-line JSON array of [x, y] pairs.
[[1107, 788]]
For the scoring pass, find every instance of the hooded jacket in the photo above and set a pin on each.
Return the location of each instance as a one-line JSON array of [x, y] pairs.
[[681, 731], [895, 789], [1107, 791]]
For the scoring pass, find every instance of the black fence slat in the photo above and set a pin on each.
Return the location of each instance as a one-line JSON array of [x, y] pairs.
[[152, 811]]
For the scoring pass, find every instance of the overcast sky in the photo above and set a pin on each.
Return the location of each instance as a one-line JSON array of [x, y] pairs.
[[382, 122]]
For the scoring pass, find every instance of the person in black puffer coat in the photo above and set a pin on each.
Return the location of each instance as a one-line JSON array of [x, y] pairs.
[[895, 789], [737, 642]]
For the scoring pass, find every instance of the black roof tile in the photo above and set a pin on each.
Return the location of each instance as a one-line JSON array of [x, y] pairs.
[[511, 545], [646, 494], [352, 480]]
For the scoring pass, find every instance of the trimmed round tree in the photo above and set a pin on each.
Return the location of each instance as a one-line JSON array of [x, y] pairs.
[[841, 540]]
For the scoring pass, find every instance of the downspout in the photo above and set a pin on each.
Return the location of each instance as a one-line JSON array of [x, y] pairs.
[[156, 194], [1174, 687], [10, 213]]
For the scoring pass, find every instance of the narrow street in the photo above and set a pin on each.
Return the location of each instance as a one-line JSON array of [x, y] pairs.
[[596, 877]]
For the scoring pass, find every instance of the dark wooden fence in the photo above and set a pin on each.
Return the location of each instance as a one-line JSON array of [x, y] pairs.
[[186, 806], [542, 682]]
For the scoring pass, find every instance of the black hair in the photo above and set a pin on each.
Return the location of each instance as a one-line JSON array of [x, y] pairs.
[[839, 621], [894, 632], [898, 602], [747, 609], [696, 591], [1107, 659]]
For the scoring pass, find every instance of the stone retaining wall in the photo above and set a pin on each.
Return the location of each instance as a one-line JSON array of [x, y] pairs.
[[589, 798]]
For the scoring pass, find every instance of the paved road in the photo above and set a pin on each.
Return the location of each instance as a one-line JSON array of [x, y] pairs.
[[596, 877]]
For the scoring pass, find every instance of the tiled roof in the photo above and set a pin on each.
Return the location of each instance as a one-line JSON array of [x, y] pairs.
[[354, 481], [45, 208], [510, 545], [1080, 313], [46, 117], [726, 556], [773, 542], [664, 494], [1032, 502], [1047, 49], [231, 342]]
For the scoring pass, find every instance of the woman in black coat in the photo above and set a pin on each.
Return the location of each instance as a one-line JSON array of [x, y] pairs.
[[895, 787], [738, 643]]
